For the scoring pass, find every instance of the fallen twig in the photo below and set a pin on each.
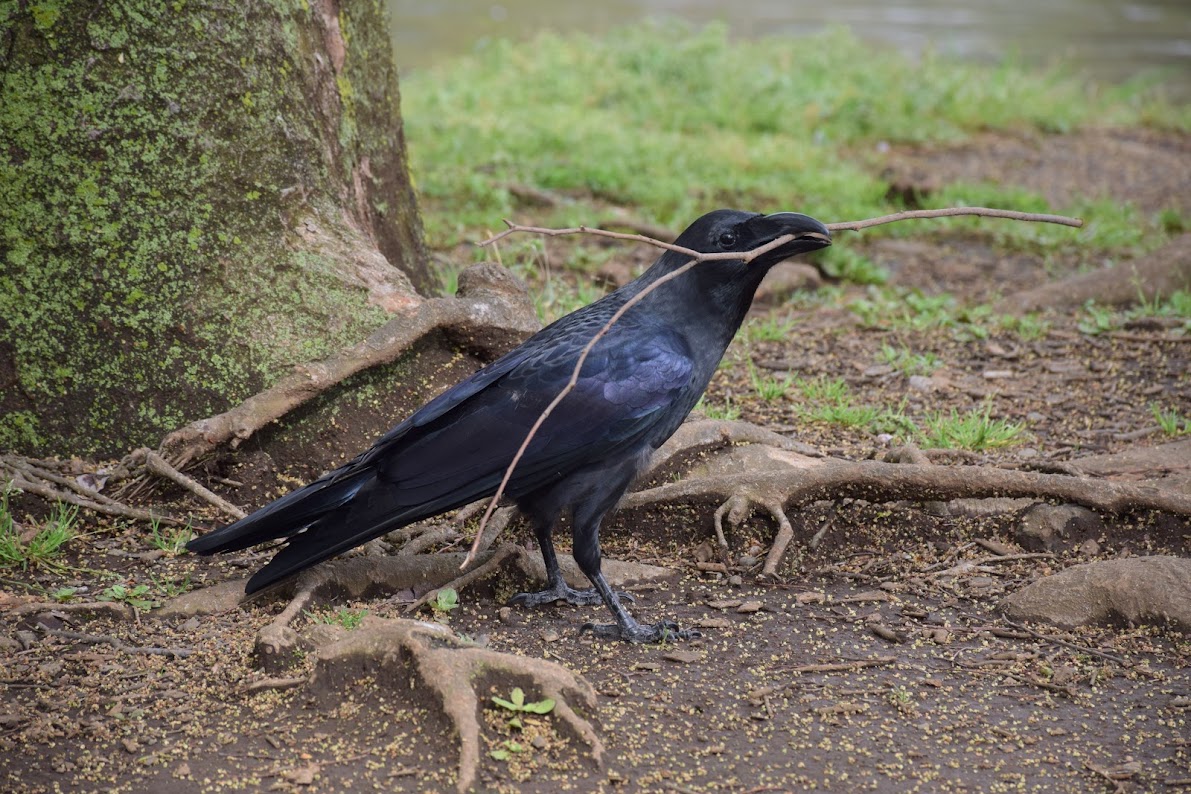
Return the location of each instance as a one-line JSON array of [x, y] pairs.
[[115, 642], [840, 667]]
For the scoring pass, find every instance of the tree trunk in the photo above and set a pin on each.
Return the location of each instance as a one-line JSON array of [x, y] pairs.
[[193, 198]]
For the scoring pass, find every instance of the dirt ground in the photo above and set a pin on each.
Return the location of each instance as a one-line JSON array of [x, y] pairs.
[[876, 662]]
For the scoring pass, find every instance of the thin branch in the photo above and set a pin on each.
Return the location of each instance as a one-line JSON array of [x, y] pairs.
[[696, 257], [841, 226], [984, 212]]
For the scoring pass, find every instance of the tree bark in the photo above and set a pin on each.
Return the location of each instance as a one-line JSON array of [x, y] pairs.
[[193, 198]]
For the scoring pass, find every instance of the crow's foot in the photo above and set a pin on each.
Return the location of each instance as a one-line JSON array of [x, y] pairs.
[[664, 631], [564, 592]]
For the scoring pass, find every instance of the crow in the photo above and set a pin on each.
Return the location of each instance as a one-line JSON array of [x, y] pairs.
[[636, 387]]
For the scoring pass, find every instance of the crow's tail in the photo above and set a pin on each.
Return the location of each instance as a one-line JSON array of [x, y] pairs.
[[285, 516]]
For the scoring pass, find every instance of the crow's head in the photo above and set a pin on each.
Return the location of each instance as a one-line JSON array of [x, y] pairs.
[[733, 230]]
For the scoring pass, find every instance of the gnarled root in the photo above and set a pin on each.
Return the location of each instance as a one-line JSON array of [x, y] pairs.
[[451, 669], [779, 490]]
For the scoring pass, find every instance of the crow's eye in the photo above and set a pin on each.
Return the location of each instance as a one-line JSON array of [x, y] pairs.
[[727, 239]]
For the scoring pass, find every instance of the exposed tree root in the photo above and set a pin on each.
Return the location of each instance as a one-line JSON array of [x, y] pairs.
[[1150, 277], [452, 669], [491, 312], [158, 465], [874, 481]]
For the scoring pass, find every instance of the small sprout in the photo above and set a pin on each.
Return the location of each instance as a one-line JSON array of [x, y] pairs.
[[506, 750], [516, 702]]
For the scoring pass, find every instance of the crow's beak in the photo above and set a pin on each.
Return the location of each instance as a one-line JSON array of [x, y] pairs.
[[809, 235], [803, 227]]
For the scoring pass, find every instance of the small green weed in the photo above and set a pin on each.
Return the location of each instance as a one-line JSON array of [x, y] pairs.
[[975, 430], [1028, 327], [446, 600], [170, 588], [908, 362], [64, 595], [1170, 420], [171, 540], [137, 597], [1098, 320]]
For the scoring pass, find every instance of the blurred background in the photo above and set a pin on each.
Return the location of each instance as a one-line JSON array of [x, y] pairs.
[[1106, 40]]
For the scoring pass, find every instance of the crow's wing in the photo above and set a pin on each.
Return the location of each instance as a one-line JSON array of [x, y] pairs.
[[458, 452]]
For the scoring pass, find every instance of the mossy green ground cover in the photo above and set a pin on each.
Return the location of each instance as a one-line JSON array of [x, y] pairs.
[[673, 122]]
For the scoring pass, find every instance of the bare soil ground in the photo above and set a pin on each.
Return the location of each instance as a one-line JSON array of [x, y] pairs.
[[876, 662]]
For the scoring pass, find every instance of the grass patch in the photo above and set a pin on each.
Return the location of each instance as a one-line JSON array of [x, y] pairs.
[[975, 430], [770, 328], [673, 122], [728, 412], [343, 616], [830, 401], [1170, 420], [171, 540], [1099, 319], [41, 547]]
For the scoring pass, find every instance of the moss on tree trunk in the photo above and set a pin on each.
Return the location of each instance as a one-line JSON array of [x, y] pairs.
[[193, 197]]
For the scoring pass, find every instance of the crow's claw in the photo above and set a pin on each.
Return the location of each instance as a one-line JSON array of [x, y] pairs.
[[664, 631]]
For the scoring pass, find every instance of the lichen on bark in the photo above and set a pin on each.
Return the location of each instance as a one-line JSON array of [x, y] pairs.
[[192, 200]]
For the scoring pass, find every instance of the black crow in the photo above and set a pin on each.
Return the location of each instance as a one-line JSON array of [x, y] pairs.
[[636, 387]]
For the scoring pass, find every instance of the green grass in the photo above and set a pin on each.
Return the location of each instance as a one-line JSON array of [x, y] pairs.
[[347, 618], [829, 400], [672, 122], [1099, 319], [45, 544], [974, 430], [912, 310], [727, 412], [768, 387], [770, 328], [1027, 327]]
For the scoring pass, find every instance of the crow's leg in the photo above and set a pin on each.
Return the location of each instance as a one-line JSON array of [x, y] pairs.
[[587, 554], [556, 587]]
